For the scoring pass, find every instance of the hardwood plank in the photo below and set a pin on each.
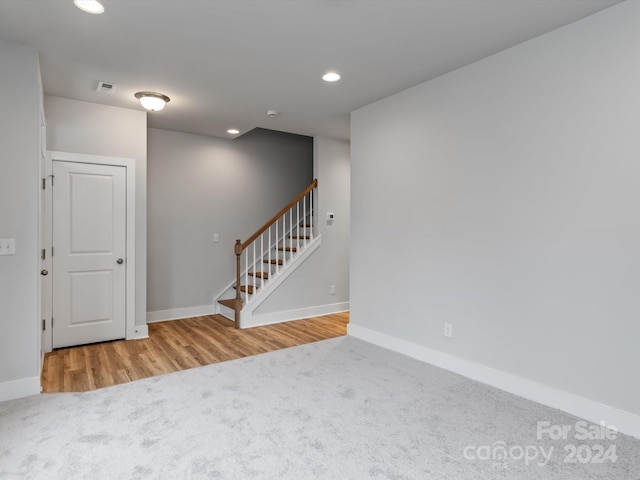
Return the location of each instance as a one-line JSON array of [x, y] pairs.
[[177, 345]]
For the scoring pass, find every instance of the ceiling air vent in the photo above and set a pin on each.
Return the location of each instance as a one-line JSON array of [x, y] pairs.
[[106, 87]]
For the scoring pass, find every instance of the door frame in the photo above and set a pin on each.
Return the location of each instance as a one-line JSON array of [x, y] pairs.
[[130, 260]]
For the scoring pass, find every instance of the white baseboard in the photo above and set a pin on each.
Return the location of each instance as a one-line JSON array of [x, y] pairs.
[[626, 422], [140, 332], [177, 313], [23, 387], [298, 314]]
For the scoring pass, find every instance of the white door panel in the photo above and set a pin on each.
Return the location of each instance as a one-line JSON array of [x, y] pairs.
[[89, 239]]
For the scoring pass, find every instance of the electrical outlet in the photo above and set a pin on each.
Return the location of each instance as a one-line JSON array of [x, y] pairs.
[[216, 237], [332, 290], [448, 330]]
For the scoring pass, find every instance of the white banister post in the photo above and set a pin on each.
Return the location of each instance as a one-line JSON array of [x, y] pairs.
[[291, 219], [269, 247], [277, 253], [313, 212], [284, 241], [246, 275], [298, 223], [304, 216], [262, 259]]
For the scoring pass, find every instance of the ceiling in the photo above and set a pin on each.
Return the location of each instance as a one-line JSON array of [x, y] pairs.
[[224, 63]]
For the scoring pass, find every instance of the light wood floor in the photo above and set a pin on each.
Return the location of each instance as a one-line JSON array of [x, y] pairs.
[[177, 345]]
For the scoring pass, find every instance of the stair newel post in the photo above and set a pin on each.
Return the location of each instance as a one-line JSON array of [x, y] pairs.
[[238, 306]]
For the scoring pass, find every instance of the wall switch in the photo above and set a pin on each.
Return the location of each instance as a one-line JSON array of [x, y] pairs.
[[330, 216], [7, 246], [216, 237], [448, 330], [332, 290]]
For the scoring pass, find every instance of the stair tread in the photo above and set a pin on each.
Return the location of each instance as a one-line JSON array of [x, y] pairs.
[[246, 288], [288, 249], [275, 261], [228, 302], [301, 237], [264, 275]]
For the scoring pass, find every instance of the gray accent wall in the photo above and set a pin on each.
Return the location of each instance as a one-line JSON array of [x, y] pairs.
[[504, 198], [201, 185], [19, 198], [83, 127]]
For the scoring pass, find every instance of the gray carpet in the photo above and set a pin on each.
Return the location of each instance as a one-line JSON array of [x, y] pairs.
[[337, 409]]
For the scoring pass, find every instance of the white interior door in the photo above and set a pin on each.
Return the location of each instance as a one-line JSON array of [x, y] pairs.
[[89, 260]]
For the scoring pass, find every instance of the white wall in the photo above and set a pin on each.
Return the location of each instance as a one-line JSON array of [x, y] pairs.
[[83, 127], [19, 197], [202, 185], [306, 292], [504, 198]]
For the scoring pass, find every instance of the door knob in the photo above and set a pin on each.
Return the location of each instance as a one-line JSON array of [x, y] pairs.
[[120, 261], [44, 272]]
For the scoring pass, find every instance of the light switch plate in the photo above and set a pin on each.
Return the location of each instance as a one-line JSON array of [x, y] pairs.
[[7, 246]]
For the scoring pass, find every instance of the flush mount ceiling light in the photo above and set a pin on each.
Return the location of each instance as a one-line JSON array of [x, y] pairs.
[[331, 77], [152, 101], [89, 6], [233, 131]]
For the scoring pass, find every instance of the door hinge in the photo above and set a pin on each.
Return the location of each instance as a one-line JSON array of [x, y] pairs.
[[44, 254], [44, 181], [52, 251], [44, 324], [51, 322]]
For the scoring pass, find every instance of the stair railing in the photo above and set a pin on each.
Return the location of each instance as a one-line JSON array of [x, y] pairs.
[[295, 222]]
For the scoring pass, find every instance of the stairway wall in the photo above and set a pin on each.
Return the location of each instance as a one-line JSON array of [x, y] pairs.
[[306, 292], [202, 185]]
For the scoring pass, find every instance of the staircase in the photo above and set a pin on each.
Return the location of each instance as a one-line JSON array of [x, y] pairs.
[[269, 256]]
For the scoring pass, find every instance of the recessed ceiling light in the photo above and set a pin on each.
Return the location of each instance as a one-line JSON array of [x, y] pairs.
[[233, 131], [89, 6], [152, 101], [331, 77]]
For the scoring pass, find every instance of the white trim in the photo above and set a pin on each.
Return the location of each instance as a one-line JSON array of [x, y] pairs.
[[298, 314], [141, 331], [177, 313], [247, 314], [132, 330], [23, 387], [276, 279], [626, 422], [225, 311]]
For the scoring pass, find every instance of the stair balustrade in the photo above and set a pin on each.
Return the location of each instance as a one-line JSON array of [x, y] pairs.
[[272, 247]]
